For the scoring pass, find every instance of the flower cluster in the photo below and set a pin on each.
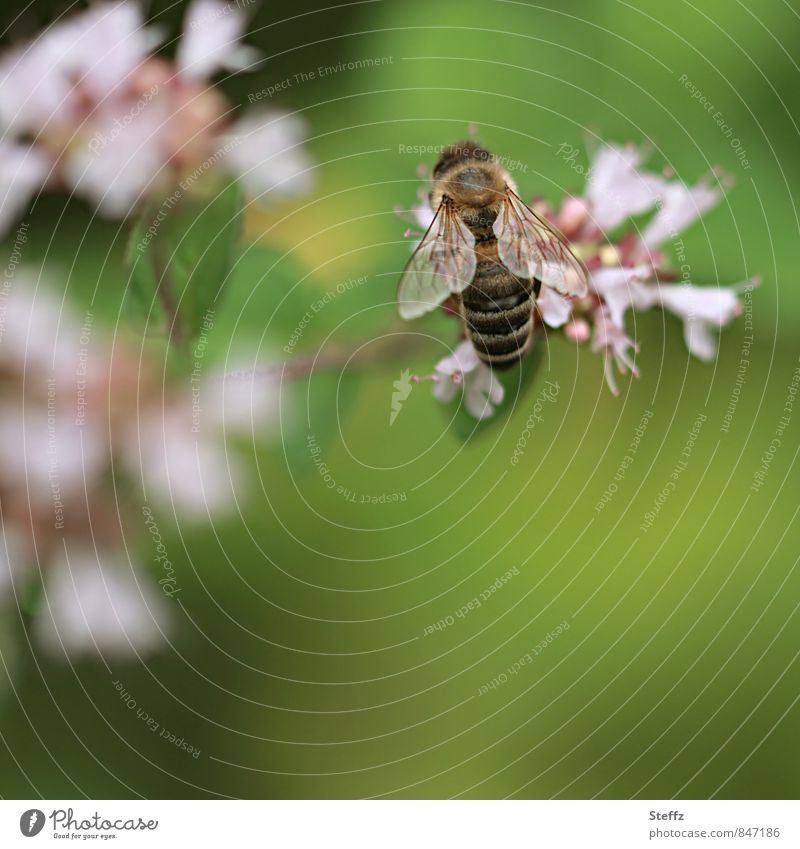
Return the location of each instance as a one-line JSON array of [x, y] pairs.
[[627, 270], [87, 107], [88, 437]]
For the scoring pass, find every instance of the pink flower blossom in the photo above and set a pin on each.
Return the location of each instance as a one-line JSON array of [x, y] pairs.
[[617, 349], [44, 85], [82, 423], [482, 390], [621, 288], [265, 150], [554, 308], [617, 189], [23, 170], [703, 309], [210, 42], [578, 330], [116, 124], [680, 206], [95, 603], [628, 273], [184, 469]]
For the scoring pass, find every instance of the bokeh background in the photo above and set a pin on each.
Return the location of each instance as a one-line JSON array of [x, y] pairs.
[[304, 663]]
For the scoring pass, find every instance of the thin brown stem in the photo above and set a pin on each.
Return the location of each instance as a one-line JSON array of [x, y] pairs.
[[388, 350]]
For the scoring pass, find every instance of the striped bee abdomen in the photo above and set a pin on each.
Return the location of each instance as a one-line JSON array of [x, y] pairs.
[[497, 310]]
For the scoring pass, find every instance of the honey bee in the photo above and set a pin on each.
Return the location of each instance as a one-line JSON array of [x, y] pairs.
[[490, 253]]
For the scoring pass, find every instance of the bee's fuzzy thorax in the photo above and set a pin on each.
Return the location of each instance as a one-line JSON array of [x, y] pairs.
[[460, 152], [469, 175]]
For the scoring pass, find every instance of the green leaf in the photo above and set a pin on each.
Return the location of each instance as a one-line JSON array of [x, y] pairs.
[[181, 253], [142, 282]]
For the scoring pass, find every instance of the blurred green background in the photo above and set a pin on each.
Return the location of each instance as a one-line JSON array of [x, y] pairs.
[[302, 667]]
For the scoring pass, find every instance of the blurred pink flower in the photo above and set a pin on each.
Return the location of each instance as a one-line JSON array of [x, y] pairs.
[[265, 150], [210, 42], [23, 171], [245, 401], [87, 106], [95, 603], [182, 468], [83, 422], [45, 85]]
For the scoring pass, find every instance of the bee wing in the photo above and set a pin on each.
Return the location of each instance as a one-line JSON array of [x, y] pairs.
[[444, 262], [530, 248]]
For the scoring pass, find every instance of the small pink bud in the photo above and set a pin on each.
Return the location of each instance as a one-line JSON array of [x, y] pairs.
[[577, 330], [407, 232], [573, 214]]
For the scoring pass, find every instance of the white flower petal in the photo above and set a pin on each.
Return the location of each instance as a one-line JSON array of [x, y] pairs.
[[422, 212], [112, 45], [37, 333], [616, 190], [620, 288], [703, 309], [482, 390], [681, 206], [708, 303], [554, 308], [699, 341], [35, 87], [462, 361], [265, 150], [611, 340], [247, 401], [210, 40], [125, 153], [23, 170], [445, 390], [99, 607], [182, 468], [44, 452], [94, 52]]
